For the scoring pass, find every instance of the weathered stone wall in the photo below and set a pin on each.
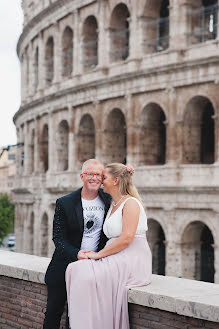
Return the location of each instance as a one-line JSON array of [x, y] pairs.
[[120, 91]]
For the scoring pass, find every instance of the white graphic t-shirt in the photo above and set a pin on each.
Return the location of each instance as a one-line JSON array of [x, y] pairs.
[[93, 211]]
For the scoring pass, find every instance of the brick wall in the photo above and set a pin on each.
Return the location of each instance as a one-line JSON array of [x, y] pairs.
[[142, 317], [22, 305]]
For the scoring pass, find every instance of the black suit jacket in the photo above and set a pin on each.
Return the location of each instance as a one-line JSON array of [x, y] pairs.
[[68, 228]]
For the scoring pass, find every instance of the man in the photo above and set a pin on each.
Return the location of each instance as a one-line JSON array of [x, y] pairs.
[[77, 228]]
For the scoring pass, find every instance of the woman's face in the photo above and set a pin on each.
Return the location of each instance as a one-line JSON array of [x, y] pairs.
[[108, 181]]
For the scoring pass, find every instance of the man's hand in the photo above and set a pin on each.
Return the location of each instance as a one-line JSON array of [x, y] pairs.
[[82, 254]]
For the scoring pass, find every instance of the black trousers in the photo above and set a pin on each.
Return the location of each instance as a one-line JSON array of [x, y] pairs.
[[56, 300]]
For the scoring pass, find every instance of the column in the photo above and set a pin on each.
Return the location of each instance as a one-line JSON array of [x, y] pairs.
[[130, 158], [71, 140], [37, 139], [173, 258], [99, 148], [24, 82], [102, 54], [77, 65], [26, 149], [37, 223], [134, 40], [25, 237], [52, 144], [179, 24], [41, 69], [57, 54], [172, 143], [22, 79], [31, 70]]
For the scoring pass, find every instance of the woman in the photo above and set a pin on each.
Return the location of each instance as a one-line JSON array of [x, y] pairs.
[[97, 287]]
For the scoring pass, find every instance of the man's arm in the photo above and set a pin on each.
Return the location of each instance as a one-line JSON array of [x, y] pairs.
[[69, 252]]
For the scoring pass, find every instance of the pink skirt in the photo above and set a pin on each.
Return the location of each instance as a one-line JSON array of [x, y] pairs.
[[97, 289]]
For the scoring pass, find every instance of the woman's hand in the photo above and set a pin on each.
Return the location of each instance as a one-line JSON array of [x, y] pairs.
[[93, 255]]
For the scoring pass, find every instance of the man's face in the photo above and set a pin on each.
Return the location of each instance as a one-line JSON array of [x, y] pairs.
[[92, 177]]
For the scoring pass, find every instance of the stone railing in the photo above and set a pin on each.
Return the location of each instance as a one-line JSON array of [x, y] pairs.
[[166, 303]]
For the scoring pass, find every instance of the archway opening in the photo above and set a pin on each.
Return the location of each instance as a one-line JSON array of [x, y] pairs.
[[152, 146], [62, 146], [32, 150], [119, 33], [156, 26], [67, 52], [115, 139], [199, 132], [203, 18], [156, 240], [198, 252], [90, 43], [44, 149], [44, 235], [86, 139], [36, 68], [49, 60]]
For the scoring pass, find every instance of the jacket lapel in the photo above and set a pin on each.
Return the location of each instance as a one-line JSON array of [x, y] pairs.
[[79, 210]]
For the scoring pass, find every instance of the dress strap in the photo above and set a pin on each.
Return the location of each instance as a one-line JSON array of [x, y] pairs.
[[131, 197]]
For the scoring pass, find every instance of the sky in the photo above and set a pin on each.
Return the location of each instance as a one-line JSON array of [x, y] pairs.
[[11, 21]]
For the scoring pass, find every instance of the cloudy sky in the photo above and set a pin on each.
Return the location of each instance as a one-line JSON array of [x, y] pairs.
[[11, 20]]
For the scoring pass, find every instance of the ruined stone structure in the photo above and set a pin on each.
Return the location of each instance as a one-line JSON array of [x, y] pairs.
[[129, 81], [7, 168]]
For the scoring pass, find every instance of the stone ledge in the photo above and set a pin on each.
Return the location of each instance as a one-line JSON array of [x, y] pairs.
[[191, 298], [185, 297]]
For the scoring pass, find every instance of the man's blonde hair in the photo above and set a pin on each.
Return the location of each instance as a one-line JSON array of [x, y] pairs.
[[91, 162]]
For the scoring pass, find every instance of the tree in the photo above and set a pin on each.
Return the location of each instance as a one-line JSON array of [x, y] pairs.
[[6, 216]]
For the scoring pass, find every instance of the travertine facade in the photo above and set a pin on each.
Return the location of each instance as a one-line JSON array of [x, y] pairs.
[[7, 168], [130, 81]]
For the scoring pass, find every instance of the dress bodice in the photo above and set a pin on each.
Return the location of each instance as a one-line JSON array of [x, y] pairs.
[[113, 223]]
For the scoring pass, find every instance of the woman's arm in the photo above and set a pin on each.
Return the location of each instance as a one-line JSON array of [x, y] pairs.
[[130, 218]]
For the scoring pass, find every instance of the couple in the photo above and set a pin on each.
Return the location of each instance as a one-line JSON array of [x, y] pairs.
[[101, 250]]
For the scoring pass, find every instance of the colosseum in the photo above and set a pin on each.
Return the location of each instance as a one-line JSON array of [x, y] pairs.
[[128, 81]]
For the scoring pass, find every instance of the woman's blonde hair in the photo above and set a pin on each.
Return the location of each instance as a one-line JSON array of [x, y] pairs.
[[124, 173]]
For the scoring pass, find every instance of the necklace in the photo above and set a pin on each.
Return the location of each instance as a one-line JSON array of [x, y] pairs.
[[115, 204]]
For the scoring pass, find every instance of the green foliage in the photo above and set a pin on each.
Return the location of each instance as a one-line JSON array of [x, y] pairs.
[[6, 216]]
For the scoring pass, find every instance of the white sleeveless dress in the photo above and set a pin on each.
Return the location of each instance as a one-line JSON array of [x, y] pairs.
[[97, 289]]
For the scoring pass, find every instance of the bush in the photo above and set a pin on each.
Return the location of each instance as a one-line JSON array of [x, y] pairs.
[[6, 216]]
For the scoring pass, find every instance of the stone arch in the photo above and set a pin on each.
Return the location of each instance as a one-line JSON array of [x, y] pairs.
[[152, 135], [36, 68], [67, 52], [156, 26], [198, 252], [90, 43], [199, 131], [115, 137], [203, 20], [119, 33], [31, 234], [44, 230], [32, 150], [86, 139], [44, 148], [156, 240], [62, 145], [49, 60]]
